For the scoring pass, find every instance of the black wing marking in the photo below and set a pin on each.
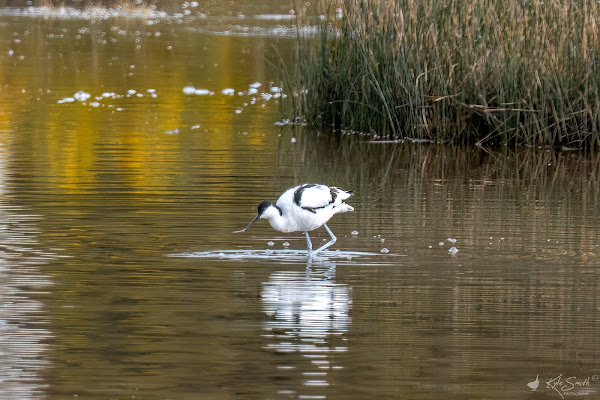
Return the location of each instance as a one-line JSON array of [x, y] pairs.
[[300, 191], [333, 192]]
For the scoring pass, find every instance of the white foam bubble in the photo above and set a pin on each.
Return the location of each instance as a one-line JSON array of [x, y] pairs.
[[82, 96], [189, 90]]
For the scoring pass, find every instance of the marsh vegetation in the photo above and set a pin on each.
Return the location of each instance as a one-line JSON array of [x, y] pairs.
[[487, 72]]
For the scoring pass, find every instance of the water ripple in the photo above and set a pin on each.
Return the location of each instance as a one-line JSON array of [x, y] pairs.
[[24, 334]]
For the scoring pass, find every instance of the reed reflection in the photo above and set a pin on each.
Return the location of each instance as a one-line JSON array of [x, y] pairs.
[[308, 317]]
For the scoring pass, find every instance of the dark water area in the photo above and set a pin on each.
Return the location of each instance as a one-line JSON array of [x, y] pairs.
[[126, 164]]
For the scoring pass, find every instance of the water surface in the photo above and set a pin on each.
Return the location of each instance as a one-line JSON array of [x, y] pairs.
[[102, 196]]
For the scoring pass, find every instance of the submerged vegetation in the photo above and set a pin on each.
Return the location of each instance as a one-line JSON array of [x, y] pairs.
[[482, 71]]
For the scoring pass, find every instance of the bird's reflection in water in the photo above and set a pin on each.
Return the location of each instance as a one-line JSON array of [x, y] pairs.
[[308, 317]]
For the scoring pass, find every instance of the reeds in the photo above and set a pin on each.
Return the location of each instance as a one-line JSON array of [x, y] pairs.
[[477, 71]]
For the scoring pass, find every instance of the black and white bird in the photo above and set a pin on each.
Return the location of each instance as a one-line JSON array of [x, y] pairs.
[[304, 208]]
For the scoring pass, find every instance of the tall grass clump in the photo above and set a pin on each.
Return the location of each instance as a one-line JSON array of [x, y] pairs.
[[465, 71]]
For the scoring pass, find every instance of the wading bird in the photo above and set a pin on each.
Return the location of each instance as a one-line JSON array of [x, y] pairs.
[[304, 208]]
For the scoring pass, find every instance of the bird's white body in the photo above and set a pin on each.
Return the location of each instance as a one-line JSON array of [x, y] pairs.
[[304, 208], [315, 205]]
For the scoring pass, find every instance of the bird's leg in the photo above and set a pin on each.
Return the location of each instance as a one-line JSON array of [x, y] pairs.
[[308, 243], [308, 264], [326, 245]]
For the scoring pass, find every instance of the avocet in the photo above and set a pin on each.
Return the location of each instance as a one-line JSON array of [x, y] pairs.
[[305, 208]]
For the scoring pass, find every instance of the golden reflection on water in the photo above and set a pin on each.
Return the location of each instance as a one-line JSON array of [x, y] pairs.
[[100, 196], [74, 143]]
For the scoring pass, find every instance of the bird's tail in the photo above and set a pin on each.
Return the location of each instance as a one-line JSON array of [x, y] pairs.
[[345, 194], [342, 208]]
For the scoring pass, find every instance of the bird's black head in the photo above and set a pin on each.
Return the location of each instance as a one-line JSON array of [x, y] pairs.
[[263, 206]]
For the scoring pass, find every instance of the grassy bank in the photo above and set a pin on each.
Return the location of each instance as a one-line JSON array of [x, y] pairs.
[[478, 71]]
